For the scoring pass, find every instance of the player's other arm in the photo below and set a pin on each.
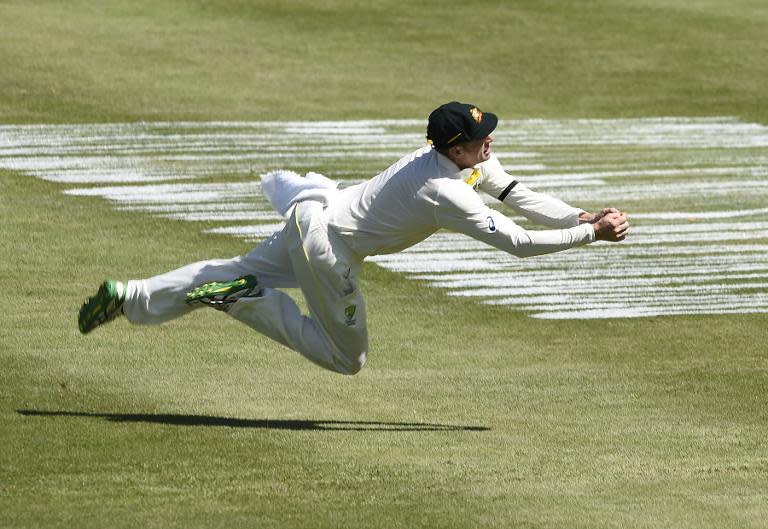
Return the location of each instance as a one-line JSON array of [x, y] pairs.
[[538, 207]]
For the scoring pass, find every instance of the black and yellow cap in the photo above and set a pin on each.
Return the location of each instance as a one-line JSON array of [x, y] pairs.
[[454, 123]]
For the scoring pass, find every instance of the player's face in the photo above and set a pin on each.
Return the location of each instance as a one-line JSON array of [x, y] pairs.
[[471, 153]]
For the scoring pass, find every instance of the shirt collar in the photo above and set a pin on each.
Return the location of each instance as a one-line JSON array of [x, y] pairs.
[[452, 170]]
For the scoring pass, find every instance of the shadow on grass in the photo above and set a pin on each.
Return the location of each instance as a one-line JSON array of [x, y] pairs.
[[268, 424]]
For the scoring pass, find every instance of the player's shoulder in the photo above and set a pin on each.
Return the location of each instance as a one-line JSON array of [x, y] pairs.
[[418, 159], [423, 154], [408, 167], [456, 194]]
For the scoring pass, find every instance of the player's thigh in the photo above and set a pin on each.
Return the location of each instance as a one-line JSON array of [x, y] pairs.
[[327, 276], [270, 262]]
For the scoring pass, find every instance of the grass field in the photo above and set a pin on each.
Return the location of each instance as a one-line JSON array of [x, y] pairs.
[[467, 415]]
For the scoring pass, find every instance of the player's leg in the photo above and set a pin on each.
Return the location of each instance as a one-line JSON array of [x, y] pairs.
[[163, 297], [335, 336]]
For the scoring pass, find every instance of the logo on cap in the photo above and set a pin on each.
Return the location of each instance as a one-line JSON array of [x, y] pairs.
[[476, 114]]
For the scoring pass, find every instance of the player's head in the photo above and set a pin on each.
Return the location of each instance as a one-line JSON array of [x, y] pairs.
[[462, 132]]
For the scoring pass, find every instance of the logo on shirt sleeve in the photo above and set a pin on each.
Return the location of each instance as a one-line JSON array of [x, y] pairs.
[[491, 224]]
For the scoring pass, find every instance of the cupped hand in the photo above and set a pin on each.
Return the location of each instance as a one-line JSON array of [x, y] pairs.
[[611, 225]]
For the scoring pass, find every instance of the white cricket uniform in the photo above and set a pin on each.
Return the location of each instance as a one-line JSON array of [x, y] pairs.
[[330, 232]]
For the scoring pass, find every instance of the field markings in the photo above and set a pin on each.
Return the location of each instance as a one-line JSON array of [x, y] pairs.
[[699, 243]]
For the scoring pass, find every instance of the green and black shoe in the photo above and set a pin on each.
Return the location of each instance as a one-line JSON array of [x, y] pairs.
[[222, 295], [105, 306]]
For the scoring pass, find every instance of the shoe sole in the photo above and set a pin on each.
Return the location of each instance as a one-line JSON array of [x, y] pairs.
[[228, 292]]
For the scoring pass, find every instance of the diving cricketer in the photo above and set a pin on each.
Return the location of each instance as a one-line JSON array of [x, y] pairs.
[[329, 232]]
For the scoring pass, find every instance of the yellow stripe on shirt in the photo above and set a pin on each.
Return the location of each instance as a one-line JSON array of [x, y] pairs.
[[473, 177]]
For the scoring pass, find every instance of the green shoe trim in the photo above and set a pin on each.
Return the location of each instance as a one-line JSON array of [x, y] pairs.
[[220, 295], [105, 306]]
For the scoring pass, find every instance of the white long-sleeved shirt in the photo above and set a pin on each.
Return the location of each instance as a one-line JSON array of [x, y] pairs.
[[425, 191]]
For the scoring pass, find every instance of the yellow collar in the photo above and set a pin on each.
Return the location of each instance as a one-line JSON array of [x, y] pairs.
[[474, 177]]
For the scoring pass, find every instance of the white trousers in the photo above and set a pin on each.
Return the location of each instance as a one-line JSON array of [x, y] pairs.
[[305, 255]]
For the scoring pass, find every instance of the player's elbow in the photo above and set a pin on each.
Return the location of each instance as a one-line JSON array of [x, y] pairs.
[[521, 245]]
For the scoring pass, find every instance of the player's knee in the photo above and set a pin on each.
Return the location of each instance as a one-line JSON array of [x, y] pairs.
[[352, 365]]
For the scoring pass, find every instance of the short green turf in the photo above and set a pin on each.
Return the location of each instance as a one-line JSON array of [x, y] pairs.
[[466, 415], [335, 59]]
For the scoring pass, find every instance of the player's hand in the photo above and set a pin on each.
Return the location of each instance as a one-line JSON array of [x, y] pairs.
[[591, 218], [603, 212], [612, 226]]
